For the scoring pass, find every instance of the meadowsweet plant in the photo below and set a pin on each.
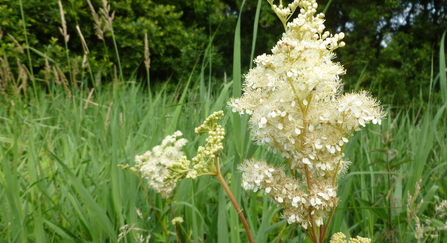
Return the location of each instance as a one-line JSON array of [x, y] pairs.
[[153, 165], [166, 165], [297, 109]]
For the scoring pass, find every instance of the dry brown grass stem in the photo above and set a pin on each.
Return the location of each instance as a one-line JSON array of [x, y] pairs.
[[8, 83], [5, 76], [63, 30], [23, 77], [98, 22], [107, 121], [59, 78], [84, 61], [88, 101], [106, 15], [98, 78], [84, 43], [47, 72], [74, 72], [147, 59], [103, 22], [19, 47]]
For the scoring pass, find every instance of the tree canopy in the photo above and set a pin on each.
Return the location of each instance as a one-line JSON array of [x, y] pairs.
[[391, 44]]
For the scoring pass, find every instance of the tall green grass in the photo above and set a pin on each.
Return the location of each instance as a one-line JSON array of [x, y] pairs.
[[61, 147]]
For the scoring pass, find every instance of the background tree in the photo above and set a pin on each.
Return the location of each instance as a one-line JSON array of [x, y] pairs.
[[173, 45], [391, 44]]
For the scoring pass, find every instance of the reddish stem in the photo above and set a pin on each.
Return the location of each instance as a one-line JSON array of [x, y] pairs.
[[233, 200]]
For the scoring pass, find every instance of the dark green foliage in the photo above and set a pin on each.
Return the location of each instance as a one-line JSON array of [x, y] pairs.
[[173, 46], [390, 45]]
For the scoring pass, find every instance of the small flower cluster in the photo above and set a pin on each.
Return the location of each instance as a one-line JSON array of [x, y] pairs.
[[297, 109], [166, 164], [154, 164], [284, 14], [340, 238], [204, 162], [285, 191], [177, 220]]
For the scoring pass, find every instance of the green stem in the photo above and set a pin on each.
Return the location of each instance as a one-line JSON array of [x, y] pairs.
[[176, 224], [30, 63], [153, 207], [388, 169], [148, 77], [120, 69]]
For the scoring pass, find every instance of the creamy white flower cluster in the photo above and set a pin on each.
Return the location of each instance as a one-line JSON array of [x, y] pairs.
[[297, 109], [166, 164], [340, 238], [300, 204], [154, 164]]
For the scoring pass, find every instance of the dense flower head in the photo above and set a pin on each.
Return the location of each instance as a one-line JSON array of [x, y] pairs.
[[299, 202], [295, 101], [165, 165], [153, 165], [294, 97], [340, 238]]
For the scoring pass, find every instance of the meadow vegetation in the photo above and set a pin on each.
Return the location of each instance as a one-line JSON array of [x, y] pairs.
[[65, 128]]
